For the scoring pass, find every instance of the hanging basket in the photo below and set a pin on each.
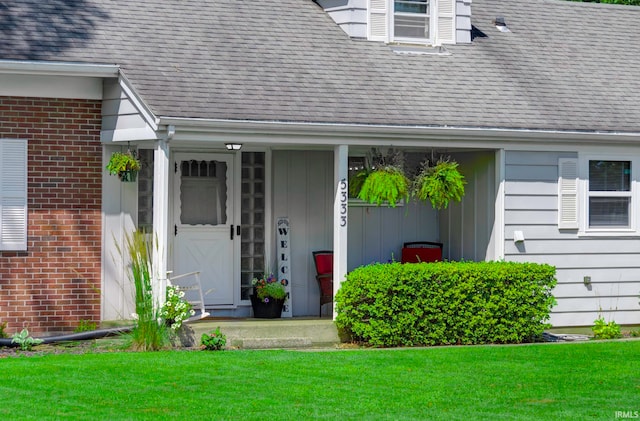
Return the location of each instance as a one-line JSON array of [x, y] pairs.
[[128, 176]]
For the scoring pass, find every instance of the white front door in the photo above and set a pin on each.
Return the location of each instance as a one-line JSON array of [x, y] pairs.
[[204, 223]]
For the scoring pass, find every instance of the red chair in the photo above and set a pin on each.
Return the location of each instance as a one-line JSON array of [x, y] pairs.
[[421, 251], [324, 275]]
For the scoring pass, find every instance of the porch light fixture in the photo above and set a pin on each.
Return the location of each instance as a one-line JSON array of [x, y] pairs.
[[233, 146]]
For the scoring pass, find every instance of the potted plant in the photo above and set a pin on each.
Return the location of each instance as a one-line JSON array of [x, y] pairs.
[[439, 184], [125, 165], [268, 297]]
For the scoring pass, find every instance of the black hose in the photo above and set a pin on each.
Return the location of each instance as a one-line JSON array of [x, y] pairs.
[[80, 336]]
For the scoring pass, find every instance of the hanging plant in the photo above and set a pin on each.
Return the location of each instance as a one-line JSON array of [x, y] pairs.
[[357, 181], [124, 164], [439, 184], [387, 184]]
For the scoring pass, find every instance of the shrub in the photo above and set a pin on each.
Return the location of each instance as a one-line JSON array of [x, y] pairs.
[[604, 330], [446, 303], [213, 341]]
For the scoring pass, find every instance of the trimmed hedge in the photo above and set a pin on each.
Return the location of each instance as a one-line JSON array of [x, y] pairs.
[[446, 303]]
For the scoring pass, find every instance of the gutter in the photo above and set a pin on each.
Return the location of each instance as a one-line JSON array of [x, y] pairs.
[[338, 133], [54, 68]]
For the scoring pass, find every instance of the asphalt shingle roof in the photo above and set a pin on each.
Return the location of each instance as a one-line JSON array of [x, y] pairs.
[[565, 65]]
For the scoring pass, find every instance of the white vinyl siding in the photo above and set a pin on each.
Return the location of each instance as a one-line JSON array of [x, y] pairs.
[[13, 194], [609, 258]]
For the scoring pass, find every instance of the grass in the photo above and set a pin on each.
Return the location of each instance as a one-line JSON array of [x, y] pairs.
[[540, 381]]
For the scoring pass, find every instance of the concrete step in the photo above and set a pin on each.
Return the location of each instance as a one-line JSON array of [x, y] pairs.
[[267, 333]]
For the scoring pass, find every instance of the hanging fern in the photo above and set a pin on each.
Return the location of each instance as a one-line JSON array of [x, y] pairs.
[[357, 181], [387, 184], [439, 184]]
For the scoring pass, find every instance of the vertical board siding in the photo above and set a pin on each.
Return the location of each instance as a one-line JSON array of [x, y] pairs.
[[612, 263], [303, 190], [466, 226]]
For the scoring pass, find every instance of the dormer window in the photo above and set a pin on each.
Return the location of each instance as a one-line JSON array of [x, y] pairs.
[[411, 19], [427, 22]]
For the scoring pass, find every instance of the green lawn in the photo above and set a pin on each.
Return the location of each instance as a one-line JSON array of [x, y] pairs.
[[540, 381]]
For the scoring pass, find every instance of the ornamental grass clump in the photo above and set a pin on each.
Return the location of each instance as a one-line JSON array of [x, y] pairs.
[[268, 287], [149, 332]]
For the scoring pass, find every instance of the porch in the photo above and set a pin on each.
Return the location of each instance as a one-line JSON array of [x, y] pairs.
[[249, 333]]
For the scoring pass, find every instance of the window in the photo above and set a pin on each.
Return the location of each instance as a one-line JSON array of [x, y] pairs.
[[609, 194], [145, 190], [597, 195], [428, 22], [411, 19], [13, 195], [252, 260]]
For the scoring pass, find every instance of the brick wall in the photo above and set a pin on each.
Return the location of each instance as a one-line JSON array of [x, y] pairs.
[[56, 282]]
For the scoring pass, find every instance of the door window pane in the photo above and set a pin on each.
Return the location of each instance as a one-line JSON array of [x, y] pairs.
[[203, 192]]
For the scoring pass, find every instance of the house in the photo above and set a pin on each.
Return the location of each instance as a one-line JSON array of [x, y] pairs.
[[538, 100]]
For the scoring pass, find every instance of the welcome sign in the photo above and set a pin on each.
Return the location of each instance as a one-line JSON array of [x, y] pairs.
[[284, 263]]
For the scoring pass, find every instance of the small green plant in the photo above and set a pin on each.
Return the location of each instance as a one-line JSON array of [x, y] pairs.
[[122, 162], [604, 330], [3, 334], [214, 341], [85, 326], [175, 309], [635, 333], [25, 341], [439, 184]]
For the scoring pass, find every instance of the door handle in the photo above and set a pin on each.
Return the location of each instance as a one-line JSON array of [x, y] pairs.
[[231, 232], [238, 230]]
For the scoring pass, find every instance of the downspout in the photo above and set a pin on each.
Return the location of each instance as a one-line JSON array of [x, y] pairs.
[[80, 336]]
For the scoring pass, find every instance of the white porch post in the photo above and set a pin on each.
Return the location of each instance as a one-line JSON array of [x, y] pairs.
[[340, 217], [160, 219]]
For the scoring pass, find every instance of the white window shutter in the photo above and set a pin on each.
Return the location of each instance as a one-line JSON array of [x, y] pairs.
[[13, 194], [446, 14], [378, 20], [568, 193]]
